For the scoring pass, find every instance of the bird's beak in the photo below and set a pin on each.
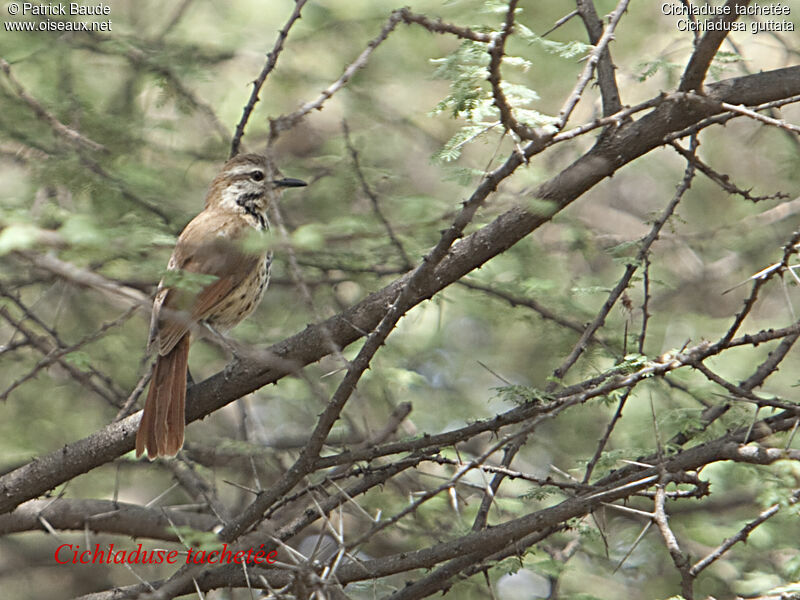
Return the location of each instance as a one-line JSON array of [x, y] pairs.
[[289, 182]]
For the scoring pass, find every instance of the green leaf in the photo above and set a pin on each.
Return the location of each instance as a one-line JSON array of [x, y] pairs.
[[78, 359], [548, 567], [452, 149], [521, 394], [200, 540], [539, 493], [80, 230], [562, 49], [465, 176], [18, 236], [652, 67], [541, 207], [726, 57], [257, 242], [404, 378], [466, 69], [309, 237], [186, 280]]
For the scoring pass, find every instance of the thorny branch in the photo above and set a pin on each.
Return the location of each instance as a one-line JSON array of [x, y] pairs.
[[286, 122], [496, 51], [327, 477], [723, 180], [588, 70], [373, 198], [70, 135], [269, 66], [625, 280], [706, 48], [678, 557], [740, 536], [605, 66]]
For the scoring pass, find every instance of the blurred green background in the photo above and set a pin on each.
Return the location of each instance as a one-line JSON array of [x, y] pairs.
[[163, 91]]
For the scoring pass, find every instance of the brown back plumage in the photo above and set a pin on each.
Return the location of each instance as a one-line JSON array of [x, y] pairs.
[[211, 244]]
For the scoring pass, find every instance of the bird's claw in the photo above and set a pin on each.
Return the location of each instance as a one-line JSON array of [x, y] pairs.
[[232, 366]]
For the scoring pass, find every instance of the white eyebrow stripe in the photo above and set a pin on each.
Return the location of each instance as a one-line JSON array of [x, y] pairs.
[[240, 169]]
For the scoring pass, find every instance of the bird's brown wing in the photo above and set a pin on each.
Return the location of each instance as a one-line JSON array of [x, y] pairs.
[[212, 254]]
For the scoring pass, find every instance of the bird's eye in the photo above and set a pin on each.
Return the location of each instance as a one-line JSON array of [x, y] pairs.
[[257, 176]]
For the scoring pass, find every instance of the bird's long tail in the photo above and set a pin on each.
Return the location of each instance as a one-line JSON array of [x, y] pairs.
[[163, 420]]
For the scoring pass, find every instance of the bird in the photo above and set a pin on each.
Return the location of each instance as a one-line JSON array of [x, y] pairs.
[[211, 244]]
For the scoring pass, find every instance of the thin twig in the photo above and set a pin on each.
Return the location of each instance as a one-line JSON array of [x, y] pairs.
[[269, 65], [616, 119], [739, 536], [605, 66], [45, 348], [632, 267], [588, 70], [744, 111], [560, 22], [285, 122], [723, 180], [67, 133], [496, 52], [373, 198], [680, 560], [515, 300], [56, 354], [439, 26], [604, 440], [645, 303], [723, 118]]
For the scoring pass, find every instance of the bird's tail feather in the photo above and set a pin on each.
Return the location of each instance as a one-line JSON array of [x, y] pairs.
[[163, 420]]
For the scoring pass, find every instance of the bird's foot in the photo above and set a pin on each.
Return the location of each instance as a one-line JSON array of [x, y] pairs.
[[232, 367]]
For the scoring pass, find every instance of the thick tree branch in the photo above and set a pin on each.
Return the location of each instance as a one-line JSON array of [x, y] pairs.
[[484, 543], [707, 48], [103, 516], [605, 66], [588, 70], [625, 145]]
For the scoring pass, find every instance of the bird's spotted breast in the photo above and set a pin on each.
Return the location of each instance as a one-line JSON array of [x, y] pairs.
[[242, 300]]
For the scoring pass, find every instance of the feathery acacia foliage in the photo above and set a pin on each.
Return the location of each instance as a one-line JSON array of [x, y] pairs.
[[498, 371]]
